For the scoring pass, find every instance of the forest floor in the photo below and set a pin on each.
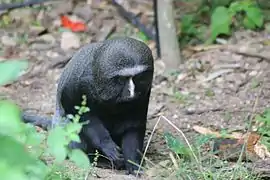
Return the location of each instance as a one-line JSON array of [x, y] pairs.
[[215, 88]]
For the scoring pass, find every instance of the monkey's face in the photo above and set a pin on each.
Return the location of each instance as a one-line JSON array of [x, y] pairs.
[[125, 87], [124, 70]]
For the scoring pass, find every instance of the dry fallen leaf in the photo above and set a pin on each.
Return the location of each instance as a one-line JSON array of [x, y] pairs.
[[203, 130], [261, 151]]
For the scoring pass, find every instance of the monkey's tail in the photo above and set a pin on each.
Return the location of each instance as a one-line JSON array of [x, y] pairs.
[[43, 122]]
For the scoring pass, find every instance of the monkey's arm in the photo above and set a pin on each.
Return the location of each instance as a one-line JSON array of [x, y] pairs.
[[20, 4], [95, 133], [133, 138]]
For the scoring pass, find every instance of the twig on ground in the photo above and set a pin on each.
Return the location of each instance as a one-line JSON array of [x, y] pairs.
[[202, 111], [248, 51], [216, 74]]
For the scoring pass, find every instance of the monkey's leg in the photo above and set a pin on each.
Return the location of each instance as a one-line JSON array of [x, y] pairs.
[[100, 138], [79, 145], [132, 142]]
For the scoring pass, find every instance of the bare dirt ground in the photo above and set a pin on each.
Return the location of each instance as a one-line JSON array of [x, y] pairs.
[[215, 88]]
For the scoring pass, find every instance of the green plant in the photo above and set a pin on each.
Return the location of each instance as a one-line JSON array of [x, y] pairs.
[[222, 17], [21, 145], [264, 128], [208, 166], [177, 146], [246, 11], [59, 138]]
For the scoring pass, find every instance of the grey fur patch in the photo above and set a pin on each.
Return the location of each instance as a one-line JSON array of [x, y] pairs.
[[132, 71]]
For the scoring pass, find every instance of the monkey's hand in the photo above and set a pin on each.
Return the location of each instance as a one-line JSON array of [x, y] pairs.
[[132, 142], [113, 152], [100, 139]]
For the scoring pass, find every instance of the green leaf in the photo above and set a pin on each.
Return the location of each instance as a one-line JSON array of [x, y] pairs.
[[220, 22], [203, 139], [187, 26], [33, 138], [74, 137], [10, 118], [10, 70], [57, 143], [11, 173], [248, 23], [73, 127], [79, 158], [142, 36], [255, 15], [14, 153], [235, 7], [176, 146]]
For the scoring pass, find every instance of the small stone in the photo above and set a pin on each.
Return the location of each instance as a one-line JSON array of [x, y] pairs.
[[181, 77], [8, 41], [26, 15], [64, 8], [175, 116], [36, 30], [56, 23], [253, 73], [52, 54], [83, 11], [41, 46], [164, 163], [69, 40], [48, 38]]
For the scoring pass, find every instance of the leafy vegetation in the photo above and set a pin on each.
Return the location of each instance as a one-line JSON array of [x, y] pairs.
[[196, 163], [264, 128], [22, 147], [222, 17], [199, 161]]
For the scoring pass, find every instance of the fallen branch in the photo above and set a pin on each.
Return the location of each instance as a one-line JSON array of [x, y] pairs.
[[246, 51]]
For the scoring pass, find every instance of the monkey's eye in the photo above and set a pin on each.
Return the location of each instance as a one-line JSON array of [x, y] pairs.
[[120, 79]]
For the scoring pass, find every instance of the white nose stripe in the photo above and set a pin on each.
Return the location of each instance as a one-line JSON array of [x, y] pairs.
[[131, 87]]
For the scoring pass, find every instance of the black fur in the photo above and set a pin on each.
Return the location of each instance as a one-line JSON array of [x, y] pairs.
[[115, 119]]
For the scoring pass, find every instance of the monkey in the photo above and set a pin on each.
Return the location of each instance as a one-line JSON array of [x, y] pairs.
[[116, 77], [150, 33]]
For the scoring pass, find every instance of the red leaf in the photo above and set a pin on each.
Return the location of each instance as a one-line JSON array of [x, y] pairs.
[[74, 26], [78, 27]]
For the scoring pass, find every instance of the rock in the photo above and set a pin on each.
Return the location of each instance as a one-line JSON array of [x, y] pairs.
[[52, 54], [69, 40], [83, 11], [61, 8], [106, 30], [25, 15], [41, 46], [36, 30], [48, 38], [8, 41], [65, 8]]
